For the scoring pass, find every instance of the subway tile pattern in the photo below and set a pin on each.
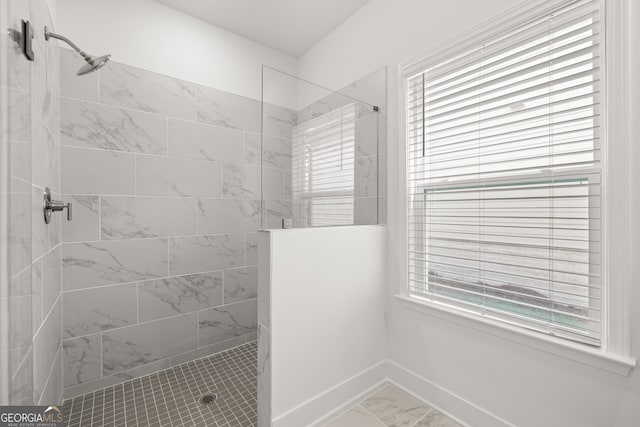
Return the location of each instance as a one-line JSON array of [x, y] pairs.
[[158, 264], [171, 397], [390, 406]]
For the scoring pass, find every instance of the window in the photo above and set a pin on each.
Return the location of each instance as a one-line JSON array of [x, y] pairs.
[[504, 177], [323, 168]]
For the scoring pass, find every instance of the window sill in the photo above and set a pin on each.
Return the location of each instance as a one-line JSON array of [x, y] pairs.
[[615, 363]]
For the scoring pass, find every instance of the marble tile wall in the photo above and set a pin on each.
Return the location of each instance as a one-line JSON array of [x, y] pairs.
[[159, 263], [29, 134]]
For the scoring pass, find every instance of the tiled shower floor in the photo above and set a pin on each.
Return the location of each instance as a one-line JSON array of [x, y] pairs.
[[171, 397]]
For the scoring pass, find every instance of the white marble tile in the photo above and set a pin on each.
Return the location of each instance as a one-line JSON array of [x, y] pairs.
[[241, 181], [355, 417], [85, 124], [40, 231], [21, 392], [54, 228], [19, 319], [229, 110], [51, 279], [85, 265], [217, 216], [81, 359], [118, 378], [181, 294], [395, 407], [51, 106], [167, 176], [275, 211], [92, 171], [366, 210], [274, 184], [51, 394], [366, 176], [45, 346], [99, 309], [197, 254], [264, 280], [17, 126], [227, 321], [86, 219], [251, 248], [264, 376], [125, 86], [240, 284], [278, 121], [144, 343], [207, 350], [19, 239], [85, 87], [274, 151], [140, 217], [436, 419], [366, 135], [19, 164], [204, 141], [36, 294], [45, 159]]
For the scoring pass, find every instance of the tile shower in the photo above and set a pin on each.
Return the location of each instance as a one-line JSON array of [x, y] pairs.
[[170, 181], [159, 265]]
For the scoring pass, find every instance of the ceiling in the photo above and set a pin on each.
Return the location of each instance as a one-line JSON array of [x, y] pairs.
[[290, 26]]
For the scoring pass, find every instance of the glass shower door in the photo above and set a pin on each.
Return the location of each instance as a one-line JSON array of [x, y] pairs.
[[320, 153]]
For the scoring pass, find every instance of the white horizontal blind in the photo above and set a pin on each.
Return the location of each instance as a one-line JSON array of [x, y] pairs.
[[323, 168], [504, 186]]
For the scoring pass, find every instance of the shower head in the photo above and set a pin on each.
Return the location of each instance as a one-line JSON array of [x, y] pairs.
[[93, 62]]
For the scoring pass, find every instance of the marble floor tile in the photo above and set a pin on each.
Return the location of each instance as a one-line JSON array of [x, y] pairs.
[[395, 407], [356, 417], [436, 418]]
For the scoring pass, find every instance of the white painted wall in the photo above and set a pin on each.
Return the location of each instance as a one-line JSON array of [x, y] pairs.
[[327, 318], [524, 386], [150, 35]]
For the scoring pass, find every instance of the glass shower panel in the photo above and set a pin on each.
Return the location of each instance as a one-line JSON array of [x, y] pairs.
[[15, 211], [319, 155]]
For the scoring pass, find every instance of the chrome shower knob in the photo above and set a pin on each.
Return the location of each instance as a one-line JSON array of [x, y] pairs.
[[51, 206]]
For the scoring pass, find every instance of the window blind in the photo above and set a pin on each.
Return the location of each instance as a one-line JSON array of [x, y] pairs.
[[323, 168], [504, 167]]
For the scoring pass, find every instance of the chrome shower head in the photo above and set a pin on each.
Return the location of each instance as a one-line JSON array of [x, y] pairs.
[[93, 63]]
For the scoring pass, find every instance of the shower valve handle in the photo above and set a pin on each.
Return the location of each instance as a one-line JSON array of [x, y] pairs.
[[51, 206]]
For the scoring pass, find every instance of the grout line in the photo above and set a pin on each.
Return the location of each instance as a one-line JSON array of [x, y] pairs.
[[159, 319], [138, 303], [422, 417]]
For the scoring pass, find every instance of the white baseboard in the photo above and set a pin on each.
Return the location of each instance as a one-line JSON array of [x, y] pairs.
[[318, 410], [466, 412]]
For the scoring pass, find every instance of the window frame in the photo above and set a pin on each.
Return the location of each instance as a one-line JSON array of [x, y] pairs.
[[614, 353]]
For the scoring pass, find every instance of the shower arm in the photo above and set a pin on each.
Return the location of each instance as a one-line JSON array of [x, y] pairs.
[[48, 34]]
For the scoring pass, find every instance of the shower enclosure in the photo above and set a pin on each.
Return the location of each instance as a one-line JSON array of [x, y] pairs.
[[323, 169], [322, 152]]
